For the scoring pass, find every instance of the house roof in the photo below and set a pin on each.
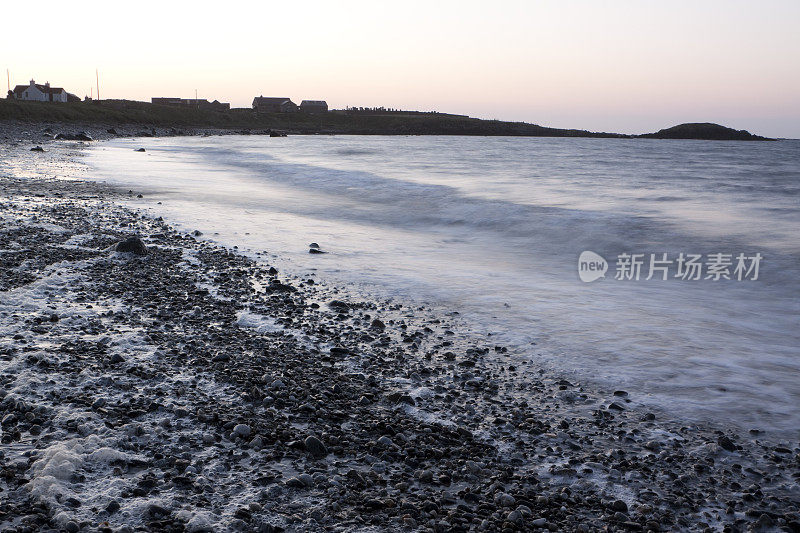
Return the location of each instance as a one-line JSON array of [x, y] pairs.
[[19, 89], [313, 102], [270, 100]]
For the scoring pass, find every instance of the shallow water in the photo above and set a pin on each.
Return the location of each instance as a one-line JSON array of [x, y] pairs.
[[493, 227]]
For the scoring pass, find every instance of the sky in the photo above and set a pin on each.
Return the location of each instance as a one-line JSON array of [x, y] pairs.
[[628, 66]]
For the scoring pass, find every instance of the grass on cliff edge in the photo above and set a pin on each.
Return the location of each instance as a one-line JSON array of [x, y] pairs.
[[113, 113]]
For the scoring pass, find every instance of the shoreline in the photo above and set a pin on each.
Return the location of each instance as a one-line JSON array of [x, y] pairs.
[[185, 345]]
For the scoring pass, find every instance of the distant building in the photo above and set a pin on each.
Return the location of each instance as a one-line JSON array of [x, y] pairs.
[[268, 104], [314, 106], [39, 93], [192, 102]]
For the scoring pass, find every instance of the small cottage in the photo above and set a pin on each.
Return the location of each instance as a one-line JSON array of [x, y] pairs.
[[39, 93], [269, 104], [314, 106]]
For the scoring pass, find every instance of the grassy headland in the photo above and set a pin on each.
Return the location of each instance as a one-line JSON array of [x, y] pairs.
[[113, 113], [144, 115]]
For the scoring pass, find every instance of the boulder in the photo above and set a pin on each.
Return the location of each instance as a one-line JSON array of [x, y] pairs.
[[133, 245]]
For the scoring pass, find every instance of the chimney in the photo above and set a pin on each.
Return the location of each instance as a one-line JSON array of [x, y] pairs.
[[33, 83], [47, 84]]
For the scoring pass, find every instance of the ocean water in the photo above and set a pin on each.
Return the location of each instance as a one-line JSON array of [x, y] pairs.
[[493, 228]]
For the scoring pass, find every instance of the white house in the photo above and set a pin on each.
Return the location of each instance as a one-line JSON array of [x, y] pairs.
[[40, 93]]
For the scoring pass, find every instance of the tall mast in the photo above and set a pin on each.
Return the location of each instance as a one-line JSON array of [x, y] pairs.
[[97, 77]]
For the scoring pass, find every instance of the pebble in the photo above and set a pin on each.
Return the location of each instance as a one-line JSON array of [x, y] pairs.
[[241, 430], [315, 446]]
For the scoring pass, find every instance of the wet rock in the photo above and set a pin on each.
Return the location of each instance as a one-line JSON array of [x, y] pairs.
[[132, 245], [338, 305], [315, 447], [37, 149], [504, 499], [619, 506], [726, 444], [295, 483], [241, 430]]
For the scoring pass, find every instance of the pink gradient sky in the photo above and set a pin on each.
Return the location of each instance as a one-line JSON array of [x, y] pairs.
[[625, 66]]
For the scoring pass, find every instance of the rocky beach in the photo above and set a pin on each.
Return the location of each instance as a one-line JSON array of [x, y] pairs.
[[172, 384]]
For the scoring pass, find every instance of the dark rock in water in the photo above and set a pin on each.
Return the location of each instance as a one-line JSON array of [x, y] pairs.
[[315, 447], [339, 305], [140, 150], [272, 271], [133, 245], [82, 136], [726, 443], [316, 251], [377, 324], [116, 359], [37, 149], [314, 245]]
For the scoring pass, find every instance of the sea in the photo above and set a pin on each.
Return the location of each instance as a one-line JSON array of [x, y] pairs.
[[666, 268]]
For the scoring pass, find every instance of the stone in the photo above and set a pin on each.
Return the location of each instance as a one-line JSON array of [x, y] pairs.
[[241, 430], [315, 447], [140, 150], [132, 245], [295, 483], [504, 499], [37, 149], [726, 443]]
